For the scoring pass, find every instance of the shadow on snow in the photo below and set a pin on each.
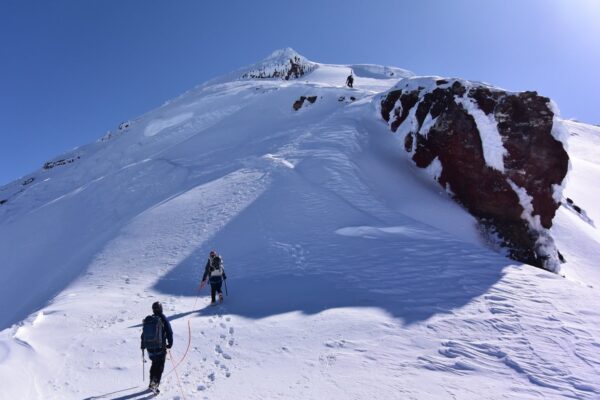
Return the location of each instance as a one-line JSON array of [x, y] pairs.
[[410, 278]]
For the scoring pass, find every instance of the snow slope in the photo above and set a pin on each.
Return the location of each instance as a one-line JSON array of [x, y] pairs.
[[577, 232], [352, 275]]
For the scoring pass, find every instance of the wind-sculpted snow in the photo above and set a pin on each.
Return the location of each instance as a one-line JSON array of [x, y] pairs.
[[342, 257], [576, 233], [373, 232], [158, 125], [380, 72]]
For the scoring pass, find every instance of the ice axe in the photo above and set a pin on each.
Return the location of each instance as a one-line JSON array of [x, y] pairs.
[[143, 366]]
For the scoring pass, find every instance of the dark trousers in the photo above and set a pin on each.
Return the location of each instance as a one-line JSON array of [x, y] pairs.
[[158, 365], [215, 287]]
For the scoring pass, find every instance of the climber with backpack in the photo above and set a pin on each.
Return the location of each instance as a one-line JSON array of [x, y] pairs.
[[157, 338], [215, 274]]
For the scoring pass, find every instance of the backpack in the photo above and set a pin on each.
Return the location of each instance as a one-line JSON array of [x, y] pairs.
[[152, 333], [216, 267]]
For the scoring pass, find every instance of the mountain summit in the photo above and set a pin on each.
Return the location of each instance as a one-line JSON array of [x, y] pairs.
[[285, 64], [284, 55]]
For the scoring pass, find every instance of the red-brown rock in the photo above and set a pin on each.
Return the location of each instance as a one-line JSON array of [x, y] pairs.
[[513, 196]]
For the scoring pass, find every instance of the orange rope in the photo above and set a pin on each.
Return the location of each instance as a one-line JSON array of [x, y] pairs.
[[198, 296], [186, 350], [196, 301], [178, 380]]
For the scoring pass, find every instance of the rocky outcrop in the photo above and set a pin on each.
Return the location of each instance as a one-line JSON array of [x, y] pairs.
[[61, 162], [499, 154], [300, 102]]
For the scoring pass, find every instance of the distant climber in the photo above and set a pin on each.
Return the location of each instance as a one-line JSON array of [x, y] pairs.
[[350, 80], [215, 274], [157, 337]]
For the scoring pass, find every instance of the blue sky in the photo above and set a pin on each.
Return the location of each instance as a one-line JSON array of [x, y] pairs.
[[71, 70]]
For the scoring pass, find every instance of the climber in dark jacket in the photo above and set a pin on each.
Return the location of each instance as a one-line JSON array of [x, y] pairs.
[[350, 80], [158, 355], [215, 273]]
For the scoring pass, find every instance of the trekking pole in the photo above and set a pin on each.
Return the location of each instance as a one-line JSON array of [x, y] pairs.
[[225, 282], [143, 366]]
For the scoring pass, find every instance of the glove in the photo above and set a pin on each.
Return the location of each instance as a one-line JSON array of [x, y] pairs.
[[224, 277], [202, 284], [169, 345]]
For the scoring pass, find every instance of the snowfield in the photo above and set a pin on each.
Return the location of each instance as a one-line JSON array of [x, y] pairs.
[[352, 275]]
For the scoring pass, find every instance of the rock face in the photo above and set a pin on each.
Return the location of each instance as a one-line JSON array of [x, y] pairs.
[[61, 162], [300, 102], [499, 154]]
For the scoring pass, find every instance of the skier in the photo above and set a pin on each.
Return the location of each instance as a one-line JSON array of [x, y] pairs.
[[350, 80], [215, 273], [157, 337]]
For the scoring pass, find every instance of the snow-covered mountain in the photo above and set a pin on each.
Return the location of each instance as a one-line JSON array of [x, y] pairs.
[[352, 274]]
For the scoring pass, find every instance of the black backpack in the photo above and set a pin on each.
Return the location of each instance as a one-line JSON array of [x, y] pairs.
[[153, 333], [216, 266]]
